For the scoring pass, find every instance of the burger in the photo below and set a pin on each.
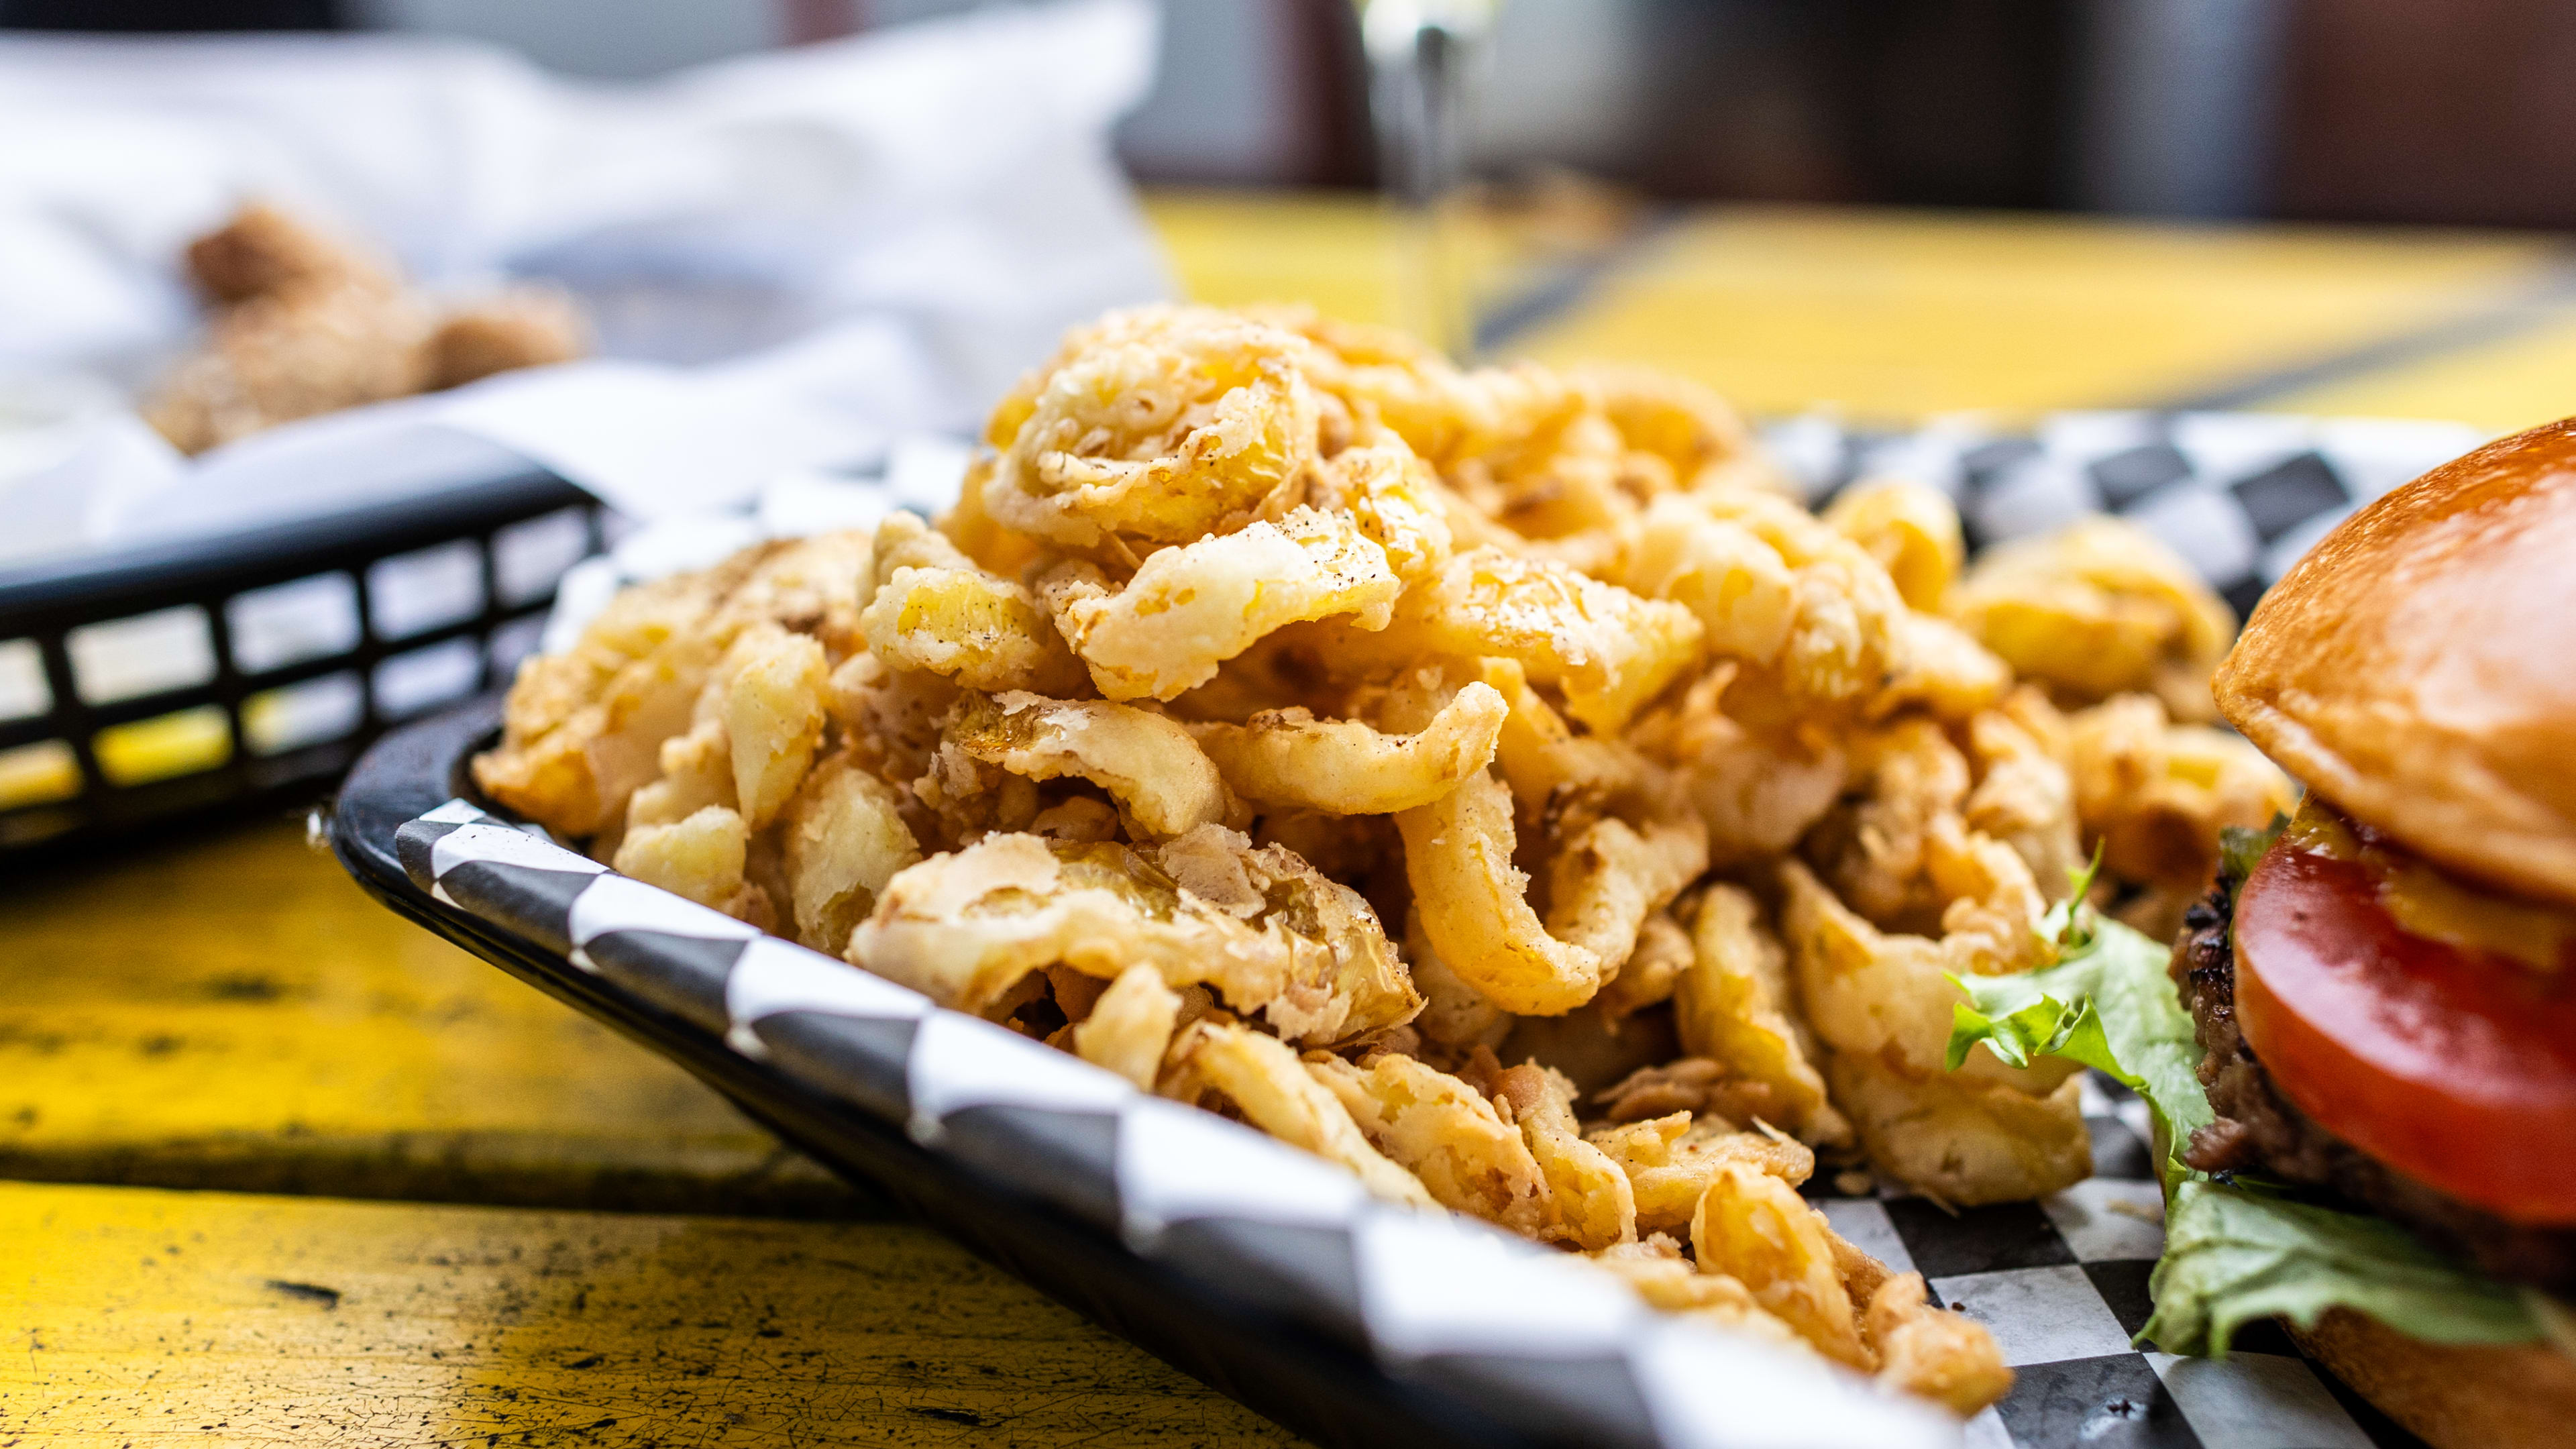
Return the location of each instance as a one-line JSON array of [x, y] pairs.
[[2386, 996], [2362, 1051]]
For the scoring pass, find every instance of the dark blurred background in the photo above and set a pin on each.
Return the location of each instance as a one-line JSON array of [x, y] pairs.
[[2456, 111]]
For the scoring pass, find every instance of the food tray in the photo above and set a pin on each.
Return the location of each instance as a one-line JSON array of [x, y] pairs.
[[1264, 1272], [165, 679]]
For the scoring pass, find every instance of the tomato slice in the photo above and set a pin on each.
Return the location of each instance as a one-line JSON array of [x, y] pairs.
[[2455, 1067]]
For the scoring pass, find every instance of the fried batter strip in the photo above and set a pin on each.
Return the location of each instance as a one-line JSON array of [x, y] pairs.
[[1343, 767], [1162, 426], [1191, 608], [1755, 1228], [1130, 1025], [1590, 1204], [1163, 785], [1671, 1160], [933, 608], [1445, 1133], [1276, 1093], [1732, 1006], [1475, 909]]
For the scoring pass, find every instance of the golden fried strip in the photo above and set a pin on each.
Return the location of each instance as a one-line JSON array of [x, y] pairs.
[[1444, 1132], [1667, 1281], [1276, 1093], [1130, 1026], [773, 716], [1147, 763], [1590, 1204], [1343, 767], [1189, 609], [843, 837], [1756, 1228], [1671, 1160], [1731, 1006], [1609, 650], [1474, 907], [1958, 1138], [1605, 882]]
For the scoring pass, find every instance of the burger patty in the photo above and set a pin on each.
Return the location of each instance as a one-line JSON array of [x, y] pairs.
[[2259, 1131]]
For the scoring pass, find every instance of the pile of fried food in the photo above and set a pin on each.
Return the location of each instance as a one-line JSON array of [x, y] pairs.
[[1490, 780], [304, 324]]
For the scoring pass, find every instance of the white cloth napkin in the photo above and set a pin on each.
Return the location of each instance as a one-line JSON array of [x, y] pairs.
[[790, 258]]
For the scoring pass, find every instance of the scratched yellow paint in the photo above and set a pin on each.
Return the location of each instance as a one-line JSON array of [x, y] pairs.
[[135, 1316], [234, 1012], [2508, 384], [1896, 314]]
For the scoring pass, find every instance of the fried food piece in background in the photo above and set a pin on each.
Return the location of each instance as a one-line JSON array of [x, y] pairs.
[[307, 324], [1913, 531], [2155, 795], [2096, 609], [1275, 1092], [1189, 609], [522, 327], [262, 251], [277, 357]]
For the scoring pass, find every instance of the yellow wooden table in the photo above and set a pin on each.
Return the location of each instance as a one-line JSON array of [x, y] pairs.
[[569, 1240]]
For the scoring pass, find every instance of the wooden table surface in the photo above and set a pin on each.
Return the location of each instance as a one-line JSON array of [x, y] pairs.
[[276, 1165]]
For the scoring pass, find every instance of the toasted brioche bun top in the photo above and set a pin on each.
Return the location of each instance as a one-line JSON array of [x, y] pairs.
[[2418, 667]]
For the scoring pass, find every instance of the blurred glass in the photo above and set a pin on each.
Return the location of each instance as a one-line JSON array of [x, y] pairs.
[[1425, 58]]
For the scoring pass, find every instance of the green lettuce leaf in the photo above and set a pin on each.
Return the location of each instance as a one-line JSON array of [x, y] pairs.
[[2234, 1252]]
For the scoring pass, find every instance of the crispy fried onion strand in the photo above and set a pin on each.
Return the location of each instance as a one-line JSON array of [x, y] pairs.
[[1343, 767], [965, 928], [1163, 785], [1458, 857], [1191, 608], [1273, 1090], [934, 608]]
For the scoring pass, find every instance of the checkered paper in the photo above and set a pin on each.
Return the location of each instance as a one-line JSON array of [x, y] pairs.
[[1519, 1330], [2062, 1285], [2238, 495]]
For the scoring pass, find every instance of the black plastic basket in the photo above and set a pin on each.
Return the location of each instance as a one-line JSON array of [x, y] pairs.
[[155, 681]]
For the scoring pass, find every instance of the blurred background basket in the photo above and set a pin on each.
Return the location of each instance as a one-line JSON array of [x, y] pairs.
[[169, 679]]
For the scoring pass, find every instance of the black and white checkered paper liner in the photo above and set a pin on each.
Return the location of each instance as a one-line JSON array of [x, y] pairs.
[[2238, 495], [1517, 1329]]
